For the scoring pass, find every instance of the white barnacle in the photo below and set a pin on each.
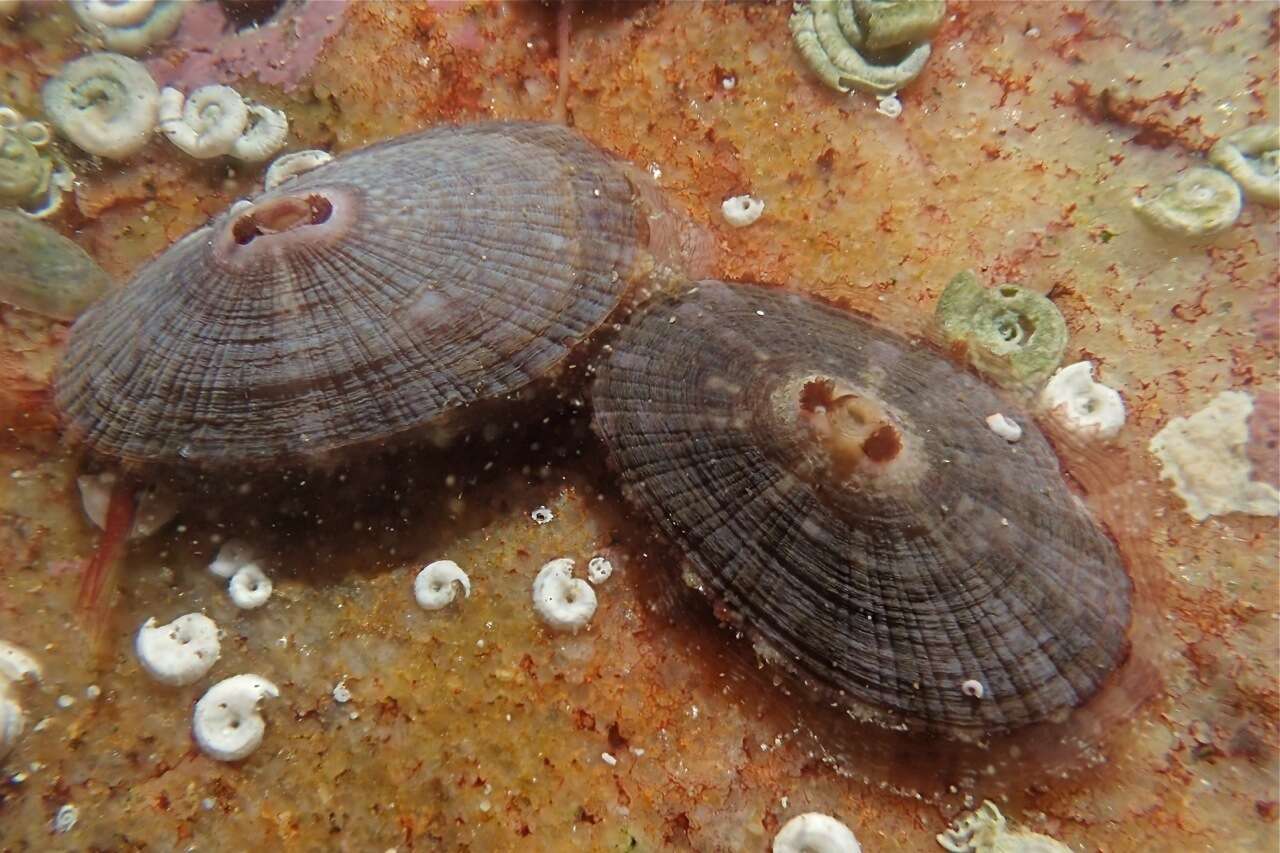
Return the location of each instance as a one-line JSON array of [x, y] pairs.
[[16, 664], [130, 26], [205, 125], [181, 652], [105, 103], [562, 601], [542, 515], [742, 210], [889, 106], [987, 831], [973, 689], [1004, 426], [66, 818], [1205, 458], [1082, 405], [1202, 201], [249, 587], [264, 134], [233, 554], [226, 723], [599, 569], [436, 586], [830, 37], [156, 505], [291, 165], [1252, 158], [815, 833]]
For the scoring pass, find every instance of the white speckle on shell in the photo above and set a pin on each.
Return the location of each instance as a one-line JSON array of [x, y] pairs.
[[66, 818], [226, 723], [436, 586], [973, 688], [249, 587], [1080, 404], [291, 165], [609, 759], [1205, 458], [233, 554], [341, 694], [564, 602], [815, 833], [156, 506], [742, 210], [1004, 426], [181, 652], [599, 569]]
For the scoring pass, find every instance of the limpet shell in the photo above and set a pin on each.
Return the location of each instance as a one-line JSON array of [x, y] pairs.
[[836, 491], [44, 272], [389, 292]]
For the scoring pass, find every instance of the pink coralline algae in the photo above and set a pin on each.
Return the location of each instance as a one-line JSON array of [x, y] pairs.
[[207, 49]]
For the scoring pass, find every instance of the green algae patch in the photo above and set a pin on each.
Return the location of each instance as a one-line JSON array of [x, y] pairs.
[[1013, 336]]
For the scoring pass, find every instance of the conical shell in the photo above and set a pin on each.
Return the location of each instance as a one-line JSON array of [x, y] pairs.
[[905, 557], [383, 293]]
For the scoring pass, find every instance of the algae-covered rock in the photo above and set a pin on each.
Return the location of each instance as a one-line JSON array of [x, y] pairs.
[[44, 272]]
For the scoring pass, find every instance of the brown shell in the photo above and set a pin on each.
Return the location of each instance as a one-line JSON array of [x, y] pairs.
[[388, 291], [890, 568]]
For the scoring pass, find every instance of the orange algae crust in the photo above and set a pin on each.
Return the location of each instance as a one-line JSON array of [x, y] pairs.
[[1016, 155]]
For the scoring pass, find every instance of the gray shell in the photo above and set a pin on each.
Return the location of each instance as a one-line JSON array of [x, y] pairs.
[[386, 292], [972, 561]]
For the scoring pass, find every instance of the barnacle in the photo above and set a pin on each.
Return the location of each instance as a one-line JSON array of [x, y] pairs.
[[815, 833], [249, 587], [15, 665], [264, 134], [874, 47], [105, 103], [226, 724], [130, 26], [1201, 202], [207, 124], [181, 652], [24, 174], [1013, 335], [436, 586], [1080, 404], [564, 602], [1252, 158], [30, 178], [986, 830], [291, 165], [889, 23]]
